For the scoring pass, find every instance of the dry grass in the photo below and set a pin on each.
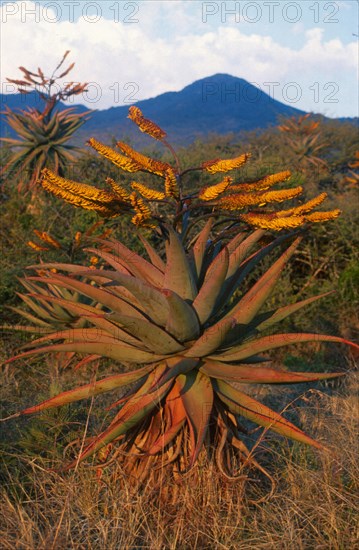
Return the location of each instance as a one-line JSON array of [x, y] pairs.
[[313, 507]]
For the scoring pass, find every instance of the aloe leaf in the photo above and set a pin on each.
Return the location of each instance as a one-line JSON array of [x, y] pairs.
[[132, 413], [212, 284], [266, 343], [241, 251], [166, 438], [134, 263], [245, 266], [117, 351], [151, 299], [151, 335], [241, 404], [211, 339], [154, 257], [197, 396], [96, 317], [200, 245], [89, 390], [30, 317], [178, 275], [182, 321], [249, 305], [176, 366], [284, 312], [252, 374], [108, 299]]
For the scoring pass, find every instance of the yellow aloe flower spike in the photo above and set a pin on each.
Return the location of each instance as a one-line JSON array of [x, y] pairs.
[[304, 208], [146, 125], [82, 190], [36, 247], [139, 206], [317, 217], [147, 193], [241, 200], [127, 164], [171, 188], [264, 221], [146, 163], [263, 183], [213, 191], [218, 165], [47, 238], [119, 191]]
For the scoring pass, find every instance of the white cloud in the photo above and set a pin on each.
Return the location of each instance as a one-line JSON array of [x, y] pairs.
[[114, 54]]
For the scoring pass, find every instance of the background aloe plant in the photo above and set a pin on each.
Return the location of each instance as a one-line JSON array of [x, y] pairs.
[[43, 134], [188, 317]]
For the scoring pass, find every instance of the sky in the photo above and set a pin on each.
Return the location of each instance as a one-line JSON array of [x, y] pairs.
[[303, 53]]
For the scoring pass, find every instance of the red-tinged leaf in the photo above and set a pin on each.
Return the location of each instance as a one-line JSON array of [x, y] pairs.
[[154, 337], [150, 298], [267, 343], [166, 438], [182, 321], [96, 317], [201, 244], [284, 312], [212, 284], [132, 413], [242, 250], [211, 339], [118, 351], [154, 257], [197, 396], [99, 295], [178, 365], [252, 374], [178, 274], [249, 305], [241, 404], [138, 266], [90, 390]]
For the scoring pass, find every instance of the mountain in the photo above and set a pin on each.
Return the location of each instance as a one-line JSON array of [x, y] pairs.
[[219, 104]]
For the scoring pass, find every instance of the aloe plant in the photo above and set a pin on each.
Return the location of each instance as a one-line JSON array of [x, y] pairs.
[[43, 135], [187, 320]]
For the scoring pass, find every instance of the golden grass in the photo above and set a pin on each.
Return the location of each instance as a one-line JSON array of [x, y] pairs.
[[313, 506]]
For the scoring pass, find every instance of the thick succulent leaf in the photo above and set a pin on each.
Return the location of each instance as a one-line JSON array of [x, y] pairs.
[[98, 295], [241, 404], [89, 390], [284, 312], [212, 284], [138, 266], [151, 299], [94, 316], [136, 408], [211, 339], [30, 317], [200, 246], [154, 337], [167, 437], [75, 335], [249, 305], [154, 257], [178, 274], [246, 264], [197, 396], [182, 321], [177, 416], [239, 249], [116, 351], [176, 366], [252, 374], [266, 343]]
